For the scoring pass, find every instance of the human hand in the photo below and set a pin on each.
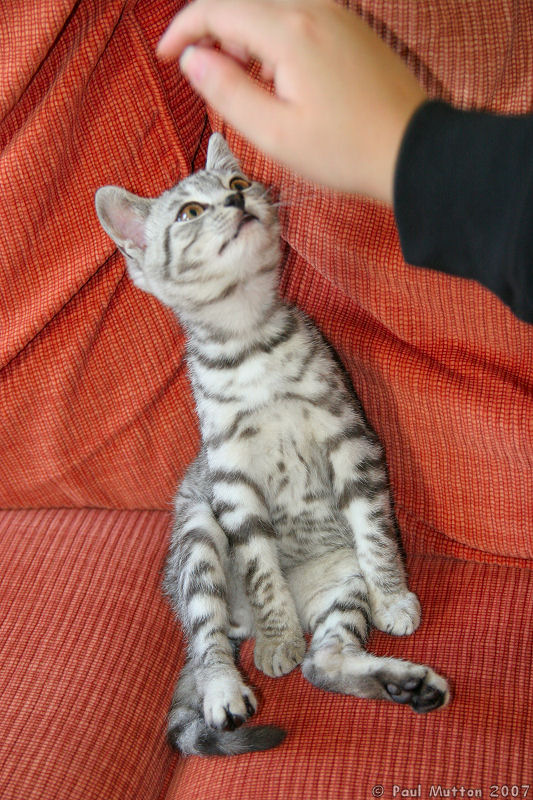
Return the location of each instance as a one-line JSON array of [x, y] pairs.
[[342, 97]]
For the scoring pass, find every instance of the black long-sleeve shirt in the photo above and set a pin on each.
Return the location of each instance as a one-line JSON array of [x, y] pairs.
[[463, 198]]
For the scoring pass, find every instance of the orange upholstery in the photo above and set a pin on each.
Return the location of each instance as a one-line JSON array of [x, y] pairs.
[[97, 409], [96, 414]]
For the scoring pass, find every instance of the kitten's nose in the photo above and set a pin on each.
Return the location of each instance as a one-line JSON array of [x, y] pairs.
[[236, 200]]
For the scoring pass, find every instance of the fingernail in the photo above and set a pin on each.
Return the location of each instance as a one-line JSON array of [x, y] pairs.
[[192, 65]]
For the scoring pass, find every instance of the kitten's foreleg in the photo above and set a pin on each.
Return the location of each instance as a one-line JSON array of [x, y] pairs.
[[362, 493], [195, 581], [279, 640], [242, 512]]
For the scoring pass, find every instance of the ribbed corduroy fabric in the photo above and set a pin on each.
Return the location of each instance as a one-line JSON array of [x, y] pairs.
[[96, 411], [340, 748], [89, 653], [96, 407]]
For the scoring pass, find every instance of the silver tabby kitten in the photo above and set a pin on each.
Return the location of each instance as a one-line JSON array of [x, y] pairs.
[[283, 522]]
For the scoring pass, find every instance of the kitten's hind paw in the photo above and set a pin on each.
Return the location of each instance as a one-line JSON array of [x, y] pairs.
[[423, 694]]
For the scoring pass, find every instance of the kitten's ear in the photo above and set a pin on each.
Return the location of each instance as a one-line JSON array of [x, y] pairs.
[[123, 217], [219, 156]]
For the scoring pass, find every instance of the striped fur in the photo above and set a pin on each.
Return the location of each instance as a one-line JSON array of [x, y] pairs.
[[283, 523]]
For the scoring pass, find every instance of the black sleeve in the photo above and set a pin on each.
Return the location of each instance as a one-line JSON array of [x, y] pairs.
[[463, 198]]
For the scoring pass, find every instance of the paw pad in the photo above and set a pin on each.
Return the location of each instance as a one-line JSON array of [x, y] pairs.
[[422, 694]]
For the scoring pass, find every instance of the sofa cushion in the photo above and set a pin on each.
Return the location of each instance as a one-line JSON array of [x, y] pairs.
[[90, 654], [476, 632]]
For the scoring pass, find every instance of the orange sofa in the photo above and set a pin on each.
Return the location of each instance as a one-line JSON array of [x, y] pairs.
[[97, 425]]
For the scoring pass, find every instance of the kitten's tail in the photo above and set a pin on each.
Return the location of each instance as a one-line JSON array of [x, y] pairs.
[[194, 737]]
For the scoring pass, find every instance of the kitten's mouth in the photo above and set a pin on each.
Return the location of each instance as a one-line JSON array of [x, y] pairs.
[[246, 218]]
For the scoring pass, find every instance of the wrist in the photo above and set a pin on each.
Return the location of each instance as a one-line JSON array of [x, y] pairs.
[[398, 125]]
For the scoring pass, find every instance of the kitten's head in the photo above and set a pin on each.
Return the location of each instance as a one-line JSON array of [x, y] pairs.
[[198, 240]]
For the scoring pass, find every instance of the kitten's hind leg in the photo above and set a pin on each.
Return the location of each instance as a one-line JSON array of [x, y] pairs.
[[332, 601]]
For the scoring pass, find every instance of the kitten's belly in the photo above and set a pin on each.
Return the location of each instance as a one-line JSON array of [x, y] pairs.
[[283, 455], [302, 506]]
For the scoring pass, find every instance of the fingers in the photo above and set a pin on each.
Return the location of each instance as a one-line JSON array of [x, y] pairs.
[[252, 25], [225, 86]]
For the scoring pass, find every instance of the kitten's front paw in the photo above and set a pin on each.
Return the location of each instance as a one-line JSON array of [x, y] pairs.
[[228, 702], [398, 614], [277, 656]]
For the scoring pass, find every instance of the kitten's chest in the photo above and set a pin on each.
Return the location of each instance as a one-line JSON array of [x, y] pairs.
[[281, 449], [291, 465], [291, 456]]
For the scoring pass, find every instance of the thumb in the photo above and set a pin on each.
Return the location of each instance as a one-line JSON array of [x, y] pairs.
[[228, 89]]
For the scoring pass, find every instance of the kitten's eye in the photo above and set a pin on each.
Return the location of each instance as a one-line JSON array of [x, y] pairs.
[[239, 184], [190, 211]]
